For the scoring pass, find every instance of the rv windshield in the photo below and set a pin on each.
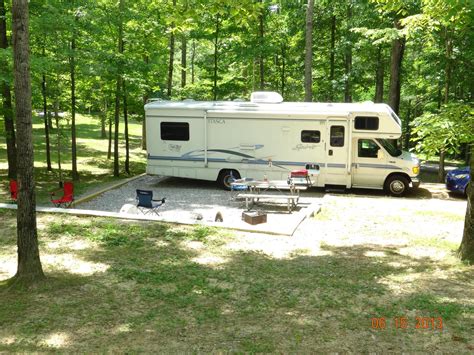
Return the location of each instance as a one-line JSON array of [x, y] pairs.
[[393, 151]]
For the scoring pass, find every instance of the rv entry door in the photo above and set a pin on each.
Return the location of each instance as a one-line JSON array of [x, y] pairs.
[[336, 153]]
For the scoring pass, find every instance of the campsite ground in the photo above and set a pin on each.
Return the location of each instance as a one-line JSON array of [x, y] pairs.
[[136, 286]]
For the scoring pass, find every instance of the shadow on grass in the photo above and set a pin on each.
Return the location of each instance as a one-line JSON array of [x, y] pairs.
[[180, 290]]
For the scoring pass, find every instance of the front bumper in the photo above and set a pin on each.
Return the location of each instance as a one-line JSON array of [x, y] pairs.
[[415, 182], [454, 185]]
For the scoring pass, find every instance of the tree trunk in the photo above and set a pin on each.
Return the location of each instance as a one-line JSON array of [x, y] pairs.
[[398, 48], [407, 126], [109, 149], [46, 123], [169, 84], [116, 126], [216, 53], [125, 119], [118, 92], [439, 97], [7, 101], [379, 76], [348, 57], [103, 118], [332, 57], [183, 60], [58, 140], [193, 54], [448, 66], [145, 100], [283, 69], [442, 155], [466, 249], [72, 61], [308, 59], [260, 45], [29, 264]]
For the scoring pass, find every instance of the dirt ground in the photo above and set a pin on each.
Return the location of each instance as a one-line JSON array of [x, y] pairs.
[[365, 261]]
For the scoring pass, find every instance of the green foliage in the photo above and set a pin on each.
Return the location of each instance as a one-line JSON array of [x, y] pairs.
[[444, 130], [437, 65]]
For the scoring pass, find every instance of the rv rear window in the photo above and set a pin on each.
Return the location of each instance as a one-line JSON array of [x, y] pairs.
[[368, 123], [175, 131], [310, 136]]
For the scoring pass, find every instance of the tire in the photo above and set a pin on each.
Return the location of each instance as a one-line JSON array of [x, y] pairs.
[[397, 185], [225, 177]]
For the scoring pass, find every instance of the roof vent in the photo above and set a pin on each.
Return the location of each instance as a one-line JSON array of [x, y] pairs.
[[266, 97]]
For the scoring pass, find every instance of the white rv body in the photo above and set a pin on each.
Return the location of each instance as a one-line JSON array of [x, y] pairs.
[[207, 140]]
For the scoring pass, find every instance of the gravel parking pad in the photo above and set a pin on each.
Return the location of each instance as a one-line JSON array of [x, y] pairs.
[[196, 201]]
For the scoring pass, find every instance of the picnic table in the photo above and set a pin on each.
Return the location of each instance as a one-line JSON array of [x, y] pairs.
[[269, 190]]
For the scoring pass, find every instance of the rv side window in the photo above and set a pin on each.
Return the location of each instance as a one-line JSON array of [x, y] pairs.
[[337, 136], [310, 136], [367, 148], [368, 123], [174, 131]]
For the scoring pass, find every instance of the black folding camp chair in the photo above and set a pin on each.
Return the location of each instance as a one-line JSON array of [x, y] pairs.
[[146, 204]]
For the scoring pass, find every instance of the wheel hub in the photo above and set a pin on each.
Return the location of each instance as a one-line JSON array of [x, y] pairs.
[[397, 186]]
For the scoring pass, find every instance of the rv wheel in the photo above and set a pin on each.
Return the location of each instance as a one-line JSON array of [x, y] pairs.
[[226, 177], [396, 185]]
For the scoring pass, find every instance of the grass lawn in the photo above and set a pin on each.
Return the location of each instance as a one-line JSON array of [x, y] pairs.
[[151, 287], [94, 167]]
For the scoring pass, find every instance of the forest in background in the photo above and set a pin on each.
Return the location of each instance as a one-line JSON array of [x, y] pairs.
[[109, 57]]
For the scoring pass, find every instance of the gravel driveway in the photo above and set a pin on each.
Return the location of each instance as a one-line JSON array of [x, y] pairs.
[[191, 201]]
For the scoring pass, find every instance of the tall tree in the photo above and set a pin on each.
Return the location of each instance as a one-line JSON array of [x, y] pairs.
[[348, 57], [379, 76], [72, 65], [261, 45], [193, 56], [308, 58], [447, 81], [332, 56], [45, 120], [398, 48], [183, 59], [125, 121], [216, 54], [29, 263], [466, 249], [169, 84], [118, 89], [7, 100]]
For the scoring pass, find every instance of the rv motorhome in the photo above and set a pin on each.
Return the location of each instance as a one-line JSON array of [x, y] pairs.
[[346, 144]]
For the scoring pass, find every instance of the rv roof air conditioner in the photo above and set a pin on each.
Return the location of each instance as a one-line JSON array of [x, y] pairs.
[[266, 97]]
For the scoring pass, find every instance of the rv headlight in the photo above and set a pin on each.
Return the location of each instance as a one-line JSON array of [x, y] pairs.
[[416, 170], [461, 176]]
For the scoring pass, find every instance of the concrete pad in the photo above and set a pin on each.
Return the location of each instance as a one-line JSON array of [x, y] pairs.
[[277, 223]]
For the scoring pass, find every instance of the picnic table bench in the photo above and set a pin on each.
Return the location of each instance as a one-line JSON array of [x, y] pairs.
[[292, 201], [258, 189]]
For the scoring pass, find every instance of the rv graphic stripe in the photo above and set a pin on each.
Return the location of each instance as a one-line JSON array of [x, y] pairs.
[[275, 163]]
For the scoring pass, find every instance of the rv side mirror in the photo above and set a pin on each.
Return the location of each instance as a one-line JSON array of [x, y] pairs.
[[380, 154]]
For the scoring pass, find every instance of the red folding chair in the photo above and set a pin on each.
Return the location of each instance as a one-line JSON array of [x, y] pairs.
[[67, 198], [13, 190]]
